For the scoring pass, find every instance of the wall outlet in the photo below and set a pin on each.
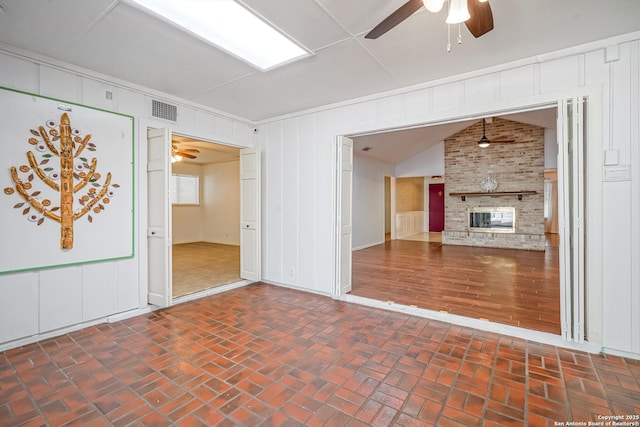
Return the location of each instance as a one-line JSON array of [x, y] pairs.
[[292, 272]]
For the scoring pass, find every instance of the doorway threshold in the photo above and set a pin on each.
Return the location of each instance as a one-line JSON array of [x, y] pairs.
[[211, 291], [480, 324]]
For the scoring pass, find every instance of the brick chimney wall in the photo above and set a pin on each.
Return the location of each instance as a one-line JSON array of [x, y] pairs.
[[517, 166]]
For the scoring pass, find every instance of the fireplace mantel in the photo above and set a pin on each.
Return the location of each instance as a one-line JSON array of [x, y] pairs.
[[463, 196]]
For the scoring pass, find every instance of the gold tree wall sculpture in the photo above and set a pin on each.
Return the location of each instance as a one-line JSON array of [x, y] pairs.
[[74, 178]]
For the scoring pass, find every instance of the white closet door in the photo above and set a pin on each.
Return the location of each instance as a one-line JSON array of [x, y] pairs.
[[344, 228], [159, 217], [250, 261]]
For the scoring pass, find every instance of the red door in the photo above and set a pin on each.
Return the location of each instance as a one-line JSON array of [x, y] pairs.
[[436, 207]]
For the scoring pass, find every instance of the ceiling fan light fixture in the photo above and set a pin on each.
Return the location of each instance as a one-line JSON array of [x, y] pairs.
[[434, 6], [483, 142], [458, 12]]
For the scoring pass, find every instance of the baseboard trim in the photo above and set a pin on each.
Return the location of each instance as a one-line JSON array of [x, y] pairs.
[[357, 248]]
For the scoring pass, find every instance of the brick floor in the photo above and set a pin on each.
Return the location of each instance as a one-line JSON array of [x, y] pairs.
[[268, 356]]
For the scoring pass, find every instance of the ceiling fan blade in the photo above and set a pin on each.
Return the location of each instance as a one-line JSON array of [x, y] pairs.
[[502, 141], [187, 155], [481, 21], [405, 11], [190, 150]]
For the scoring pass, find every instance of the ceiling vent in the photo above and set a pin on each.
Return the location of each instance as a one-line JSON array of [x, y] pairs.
[[165, 111]]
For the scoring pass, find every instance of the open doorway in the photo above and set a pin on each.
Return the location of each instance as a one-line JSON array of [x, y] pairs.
[[205, 192], [420, 202], [439, 277], [159, 216]]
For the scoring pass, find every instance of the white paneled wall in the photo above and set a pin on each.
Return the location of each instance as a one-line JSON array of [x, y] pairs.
[[561, 74], [59, 84], [19, 305], [448, 97], [517, 83], [368, 200], [37, 304], [480, 90], [99, 283], [18, 74], [221, 203], [291, 172], [272, 205], [500, 89], [307, 165], [61, 297]]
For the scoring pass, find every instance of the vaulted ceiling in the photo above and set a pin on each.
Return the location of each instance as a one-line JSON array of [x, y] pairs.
[[113, 38]]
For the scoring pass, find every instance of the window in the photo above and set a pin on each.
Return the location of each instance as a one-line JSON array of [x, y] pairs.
[[185, 189]]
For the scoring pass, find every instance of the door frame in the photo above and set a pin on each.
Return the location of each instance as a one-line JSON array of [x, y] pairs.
[[593, 183], [144, 126], [392, 207]]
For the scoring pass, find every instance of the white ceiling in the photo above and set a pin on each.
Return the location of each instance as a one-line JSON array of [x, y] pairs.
[[113, 38], [208, 152], [397, 146]]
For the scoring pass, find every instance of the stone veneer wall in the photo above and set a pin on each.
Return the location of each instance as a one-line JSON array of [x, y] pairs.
[[517, 166]]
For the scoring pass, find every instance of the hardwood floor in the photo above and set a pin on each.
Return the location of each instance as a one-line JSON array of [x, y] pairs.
[[512, 287], [425, 237], [202, 265]]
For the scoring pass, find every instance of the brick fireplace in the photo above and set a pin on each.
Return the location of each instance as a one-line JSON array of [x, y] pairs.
[[519, 169]]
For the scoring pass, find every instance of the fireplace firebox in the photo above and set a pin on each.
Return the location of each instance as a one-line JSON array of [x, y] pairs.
[[492, 219]]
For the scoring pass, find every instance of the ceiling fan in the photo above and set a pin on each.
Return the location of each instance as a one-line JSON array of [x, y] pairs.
[[479, 23], [178, 153], [485, 142]]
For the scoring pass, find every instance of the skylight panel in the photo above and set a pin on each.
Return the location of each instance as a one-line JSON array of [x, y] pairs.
[[230, 26]]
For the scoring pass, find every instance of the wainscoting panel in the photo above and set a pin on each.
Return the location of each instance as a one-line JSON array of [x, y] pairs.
[[408, 223]]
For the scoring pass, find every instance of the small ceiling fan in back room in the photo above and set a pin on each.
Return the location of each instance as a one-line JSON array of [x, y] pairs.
[[476, 15], [178, 152]]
